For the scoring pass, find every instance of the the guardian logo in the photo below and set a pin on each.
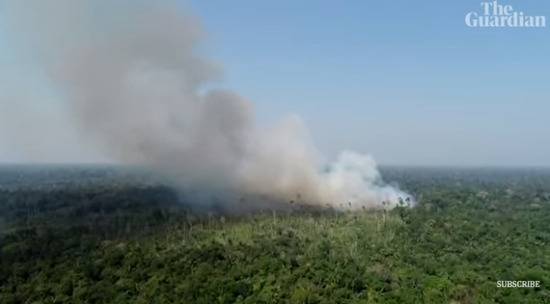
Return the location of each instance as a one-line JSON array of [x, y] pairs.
[[493, 14]]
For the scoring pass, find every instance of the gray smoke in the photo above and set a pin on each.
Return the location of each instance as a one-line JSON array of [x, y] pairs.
[[132, 76]]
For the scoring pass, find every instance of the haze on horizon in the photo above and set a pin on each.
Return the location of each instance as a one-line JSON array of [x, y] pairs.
[[412, 87]]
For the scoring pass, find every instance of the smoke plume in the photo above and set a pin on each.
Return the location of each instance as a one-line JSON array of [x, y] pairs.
[[132, 76]]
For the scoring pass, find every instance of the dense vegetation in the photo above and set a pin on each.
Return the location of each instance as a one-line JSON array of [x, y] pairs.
[[100, 236]]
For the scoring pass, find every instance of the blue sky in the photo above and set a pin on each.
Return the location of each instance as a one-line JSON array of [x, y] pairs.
[[405, 81]]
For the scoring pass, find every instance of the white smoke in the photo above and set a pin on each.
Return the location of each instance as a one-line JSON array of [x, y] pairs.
[[131, 74]]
